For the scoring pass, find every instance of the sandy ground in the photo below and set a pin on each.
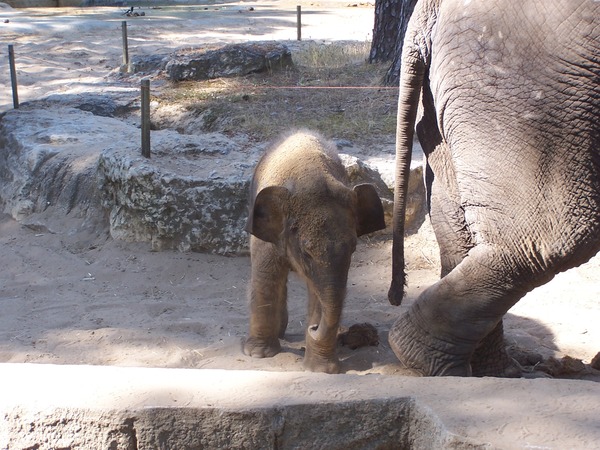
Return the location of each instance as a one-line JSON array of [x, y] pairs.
[[100, 301], [75, 299]]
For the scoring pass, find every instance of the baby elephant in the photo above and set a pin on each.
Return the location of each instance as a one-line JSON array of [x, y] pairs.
[[304, 217]]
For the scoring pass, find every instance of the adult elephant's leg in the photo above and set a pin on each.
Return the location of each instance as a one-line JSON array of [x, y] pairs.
[[454, 239], [490, 358], [446, 215], [441, 331], [447, 218], [268, 300]]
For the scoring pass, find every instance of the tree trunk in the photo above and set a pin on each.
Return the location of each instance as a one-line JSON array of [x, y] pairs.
[[391, 20]]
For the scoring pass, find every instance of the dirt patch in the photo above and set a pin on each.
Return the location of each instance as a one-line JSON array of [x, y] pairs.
[[330, 88], [86, 299]]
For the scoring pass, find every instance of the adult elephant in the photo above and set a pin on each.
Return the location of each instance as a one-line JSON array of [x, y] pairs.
[[510, 126]]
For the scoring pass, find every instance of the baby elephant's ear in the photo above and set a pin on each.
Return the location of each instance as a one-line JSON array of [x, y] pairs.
[[369, 210], [267, 215]]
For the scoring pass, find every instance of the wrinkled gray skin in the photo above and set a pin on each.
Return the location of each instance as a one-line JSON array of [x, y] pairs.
[[304, 218], [510, 127]]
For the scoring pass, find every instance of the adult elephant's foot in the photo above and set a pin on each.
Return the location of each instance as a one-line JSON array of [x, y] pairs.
[[260, 348], [490, 358], [422, 350], [495, 364]]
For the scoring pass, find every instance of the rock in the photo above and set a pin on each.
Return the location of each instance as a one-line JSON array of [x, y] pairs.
[[416, 205], [58, 161], [341, 143], [188, 196], [99, 105], [191, 195], [151, 63], [228, 61], [49, 159]]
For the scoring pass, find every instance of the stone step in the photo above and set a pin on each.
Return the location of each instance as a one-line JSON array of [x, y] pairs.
[[49, 407]]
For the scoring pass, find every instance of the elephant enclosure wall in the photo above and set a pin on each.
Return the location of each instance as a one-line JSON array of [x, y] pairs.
[[48, 407]]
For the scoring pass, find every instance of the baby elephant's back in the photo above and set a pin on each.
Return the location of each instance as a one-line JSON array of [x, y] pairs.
[[299, 158]]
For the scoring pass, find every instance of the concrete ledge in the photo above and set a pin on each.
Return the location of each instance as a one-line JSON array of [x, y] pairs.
[[68, 407]]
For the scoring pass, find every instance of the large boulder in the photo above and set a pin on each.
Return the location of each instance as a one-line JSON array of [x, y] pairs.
[[192, 194], [48, 162], [228, 61], [59, 161]]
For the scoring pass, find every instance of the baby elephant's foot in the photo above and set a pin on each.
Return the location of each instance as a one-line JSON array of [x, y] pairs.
[[316, 363], [259, 348]]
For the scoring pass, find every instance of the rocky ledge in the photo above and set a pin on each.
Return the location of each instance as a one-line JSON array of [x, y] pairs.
[[61, 160]]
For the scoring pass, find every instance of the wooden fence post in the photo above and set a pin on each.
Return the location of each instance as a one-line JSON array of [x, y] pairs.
[[13, 75], [145, 117], [299, 21], [126, 67]]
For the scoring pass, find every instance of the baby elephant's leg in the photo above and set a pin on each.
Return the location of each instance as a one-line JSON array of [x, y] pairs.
[[268, 300]]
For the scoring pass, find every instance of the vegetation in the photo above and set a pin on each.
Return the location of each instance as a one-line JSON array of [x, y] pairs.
[[331, 88]]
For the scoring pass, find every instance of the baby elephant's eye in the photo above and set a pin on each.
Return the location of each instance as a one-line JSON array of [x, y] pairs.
[[305, 253], [304, 249], [307, 256]]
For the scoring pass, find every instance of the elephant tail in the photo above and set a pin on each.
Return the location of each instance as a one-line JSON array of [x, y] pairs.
[[413, 69]]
